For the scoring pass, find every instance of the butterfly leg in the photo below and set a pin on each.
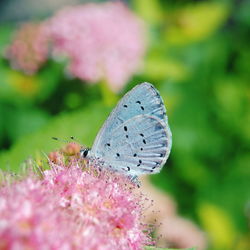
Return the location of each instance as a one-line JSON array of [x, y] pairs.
[[134, 179]]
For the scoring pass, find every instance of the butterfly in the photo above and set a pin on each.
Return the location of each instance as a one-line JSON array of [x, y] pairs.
[[136, 138]]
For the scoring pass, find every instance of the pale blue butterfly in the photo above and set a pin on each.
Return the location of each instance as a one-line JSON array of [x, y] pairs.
[[136, 138]]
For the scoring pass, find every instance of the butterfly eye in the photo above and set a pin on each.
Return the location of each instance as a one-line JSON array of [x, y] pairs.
[[84, 152]]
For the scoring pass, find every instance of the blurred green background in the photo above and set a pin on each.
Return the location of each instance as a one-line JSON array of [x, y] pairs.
[[198, 56]]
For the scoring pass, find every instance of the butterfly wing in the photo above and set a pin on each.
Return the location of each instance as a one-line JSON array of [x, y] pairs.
[[142, 99], [140, 145], [142, 102]]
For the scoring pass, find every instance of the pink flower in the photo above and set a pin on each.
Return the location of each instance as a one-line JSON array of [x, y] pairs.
[[174, 230], [104, 42], [29, 48], [73, 206]]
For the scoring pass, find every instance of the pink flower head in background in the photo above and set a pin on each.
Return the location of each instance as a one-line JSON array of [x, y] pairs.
[[71, 208], [29, 48], [104, 42]]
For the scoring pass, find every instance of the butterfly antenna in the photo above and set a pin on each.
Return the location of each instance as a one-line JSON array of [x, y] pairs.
[[74, 139], [59, 139]]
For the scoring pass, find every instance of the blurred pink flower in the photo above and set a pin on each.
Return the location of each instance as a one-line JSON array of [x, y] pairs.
[[29, 48], [71, 208], [104, 42], [174, 230], [182, 233]]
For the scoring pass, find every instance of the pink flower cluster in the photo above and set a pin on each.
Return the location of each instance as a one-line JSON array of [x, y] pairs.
[[71, 208], [174, 229], [104, 42], [29, 49]]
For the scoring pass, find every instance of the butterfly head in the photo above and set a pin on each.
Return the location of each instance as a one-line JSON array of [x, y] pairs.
[[84, 152]]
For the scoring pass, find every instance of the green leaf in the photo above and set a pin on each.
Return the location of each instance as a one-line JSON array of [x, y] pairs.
[[28, 120], [151, 12], [188, 24], [218, 225], [83, 124], [159, 248], [21, 89], [160, 68], [6, 32]]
